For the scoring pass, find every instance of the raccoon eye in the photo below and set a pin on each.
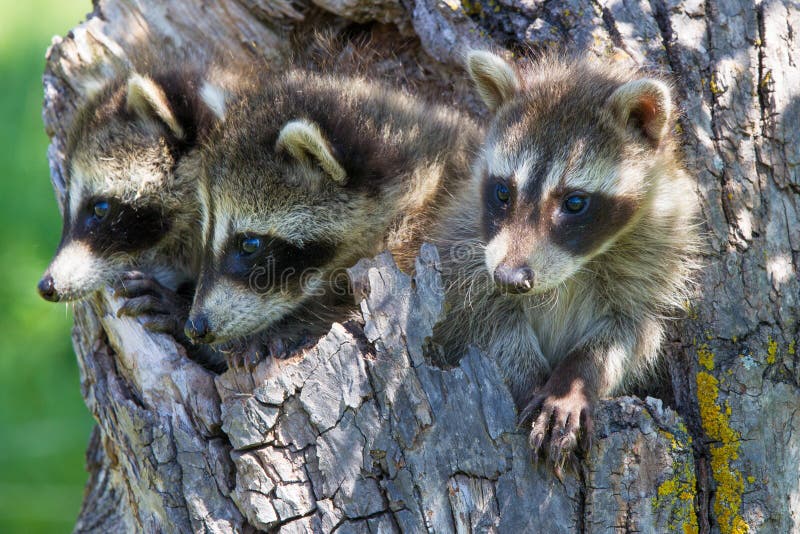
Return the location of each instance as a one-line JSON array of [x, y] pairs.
[[249, 245], [575, 204], [100, 209], [502, 193]]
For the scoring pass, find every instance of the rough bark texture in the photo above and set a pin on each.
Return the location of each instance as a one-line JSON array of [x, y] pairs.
[[359, 434]]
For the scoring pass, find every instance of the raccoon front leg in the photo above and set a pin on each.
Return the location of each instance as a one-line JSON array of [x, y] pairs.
[[516, 349], [561, 410]]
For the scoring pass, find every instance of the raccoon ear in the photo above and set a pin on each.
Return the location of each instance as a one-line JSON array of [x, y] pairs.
[[643, 107], [495, 79], [215, 98], [148, 100], [304, 141]]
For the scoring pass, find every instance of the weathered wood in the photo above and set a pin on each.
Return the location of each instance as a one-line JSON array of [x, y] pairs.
[[359, 433]]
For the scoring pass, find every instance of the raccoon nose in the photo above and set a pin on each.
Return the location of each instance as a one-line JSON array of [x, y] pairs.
[[514, 279], [47, 288], [198, 329]]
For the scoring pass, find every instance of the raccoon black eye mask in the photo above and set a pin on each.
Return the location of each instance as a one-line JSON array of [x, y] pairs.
[[109, 226], [578, 221], [574, 203], [267, 261]]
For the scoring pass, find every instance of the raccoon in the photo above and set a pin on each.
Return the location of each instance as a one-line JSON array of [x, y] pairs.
[[307, 175], [574, 240], [130, 214]]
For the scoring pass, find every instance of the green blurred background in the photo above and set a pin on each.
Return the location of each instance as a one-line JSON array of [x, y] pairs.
[[44, 425]]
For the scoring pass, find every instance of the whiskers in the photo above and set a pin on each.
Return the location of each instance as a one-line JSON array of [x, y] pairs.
[[548, 300]]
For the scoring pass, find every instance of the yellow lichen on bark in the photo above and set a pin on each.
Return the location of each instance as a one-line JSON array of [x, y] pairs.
[[772, 350], [679, 490], [705, 357], [724, 449]]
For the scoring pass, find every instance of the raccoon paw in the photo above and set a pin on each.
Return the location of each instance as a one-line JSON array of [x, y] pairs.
[[242, 354], [280, 349], [277, 348], [245, 360], [558, 424], [162, 308]]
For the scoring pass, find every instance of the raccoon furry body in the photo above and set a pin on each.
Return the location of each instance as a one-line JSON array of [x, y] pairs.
[[583, 242], [308, 174]]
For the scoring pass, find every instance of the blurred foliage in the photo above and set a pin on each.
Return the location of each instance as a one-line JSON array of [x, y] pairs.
[[44, 425]]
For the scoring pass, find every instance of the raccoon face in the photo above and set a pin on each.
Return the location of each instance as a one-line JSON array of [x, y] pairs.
[[121, 167], [276, 234], [565, 169]]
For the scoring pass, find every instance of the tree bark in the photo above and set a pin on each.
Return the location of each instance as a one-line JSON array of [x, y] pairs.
[[360, 434]]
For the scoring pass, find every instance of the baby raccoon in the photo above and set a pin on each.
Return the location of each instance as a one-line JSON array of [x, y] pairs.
[[131, 199], [307, 175], [573, 242]]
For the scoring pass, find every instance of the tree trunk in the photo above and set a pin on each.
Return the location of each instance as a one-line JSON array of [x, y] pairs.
[[360, 434]]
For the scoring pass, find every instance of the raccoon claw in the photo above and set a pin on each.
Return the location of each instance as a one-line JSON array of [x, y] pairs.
[[557, 424], [160, 324], [243, 354], [277, 348], [280, 349], [137, 306], [248, 356], [246, 359], [161, 307], [157, 319], [135, 283]]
